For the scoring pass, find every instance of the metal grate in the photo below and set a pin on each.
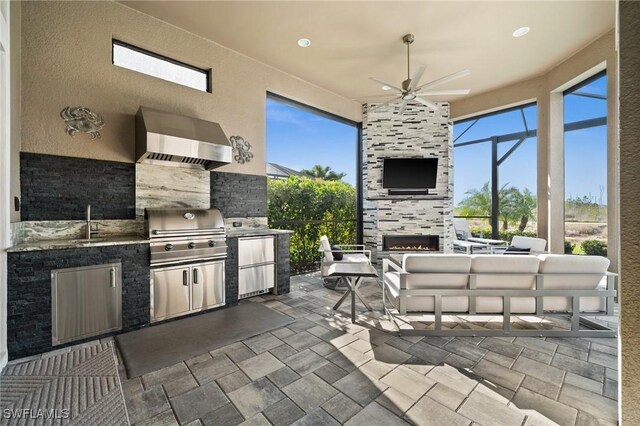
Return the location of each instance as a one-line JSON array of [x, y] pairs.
[[253, 293], [157, 156], [198, 161]]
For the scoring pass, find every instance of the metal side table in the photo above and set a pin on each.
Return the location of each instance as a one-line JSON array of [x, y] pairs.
[[352, 273]]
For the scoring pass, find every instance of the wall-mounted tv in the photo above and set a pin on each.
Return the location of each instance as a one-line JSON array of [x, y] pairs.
[[409, 173]]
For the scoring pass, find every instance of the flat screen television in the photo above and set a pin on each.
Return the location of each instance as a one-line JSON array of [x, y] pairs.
[[409, 173]]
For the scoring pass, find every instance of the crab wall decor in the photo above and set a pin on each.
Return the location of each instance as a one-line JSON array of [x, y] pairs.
[[81, 119], [241, 149]]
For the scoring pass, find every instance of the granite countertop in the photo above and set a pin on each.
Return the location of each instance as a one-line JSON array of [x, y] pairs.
[[251, 232], [114, 240]]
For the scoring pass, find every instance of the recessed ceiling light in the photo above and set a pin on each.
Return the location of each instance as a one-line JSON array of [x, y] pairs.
[[521, 31], [386, 88], [304, 42]]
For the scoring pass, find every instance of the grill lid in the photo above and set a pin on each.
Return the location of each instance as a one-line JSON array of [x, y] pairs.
[[184, 221]]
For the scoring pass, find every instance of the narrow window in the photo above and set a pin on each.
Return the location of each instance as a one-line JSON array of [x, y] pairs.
[[145, 62]]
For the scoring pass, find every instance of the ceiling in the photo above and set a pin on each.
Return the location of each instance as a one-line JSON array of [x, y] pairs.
[[354, 40]]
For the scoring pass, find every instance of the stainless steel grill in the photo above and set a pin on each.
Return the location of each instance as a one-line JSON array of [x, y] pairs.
[[180, 235]]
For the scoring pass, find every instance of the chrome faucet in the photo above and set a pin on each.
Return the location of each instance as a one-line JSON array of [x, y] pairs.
[[89, 232]]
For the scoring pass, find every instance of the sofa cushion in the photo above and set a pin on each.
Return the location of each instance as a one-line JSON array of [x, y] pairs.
[[574, 265], [425, 303], [536, 245], [436, 271], [486, 264], [326, 248], [436, 262]]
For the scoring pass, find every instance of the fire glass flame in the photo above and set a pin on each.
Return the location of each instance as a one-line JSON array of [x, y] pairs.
[[411, 243]]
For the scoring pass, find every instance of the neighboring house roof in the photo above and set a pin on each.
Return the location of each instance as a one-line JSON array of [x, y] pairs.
[[277, 171]]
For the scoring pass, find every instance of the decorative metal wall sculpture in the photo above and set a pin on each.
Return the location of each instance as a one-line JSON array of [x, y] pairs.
[[241, 149], [80, 119]]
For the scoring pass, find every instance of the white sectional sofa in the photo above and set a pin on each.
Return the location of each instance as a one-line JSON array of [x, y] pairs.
[[501, 284]]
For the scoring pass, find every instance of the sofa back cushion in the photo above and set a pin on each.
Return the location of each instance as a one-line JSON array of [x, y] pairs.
[[486, 264], [325, 246], [533, 244], [499, 264], [437, 270], [570, 264]]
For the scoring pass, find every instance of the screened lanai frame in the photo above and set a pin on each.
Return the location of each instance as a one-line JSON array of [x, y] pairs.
[[519, 138]]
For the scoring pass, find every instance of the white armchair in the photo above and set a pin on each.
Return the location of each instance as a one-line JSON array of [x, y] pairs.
[[354, 253]]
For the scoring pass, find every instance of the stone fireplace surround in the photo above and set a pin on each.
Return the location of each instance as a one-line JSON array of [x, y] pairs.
[[419, 132]]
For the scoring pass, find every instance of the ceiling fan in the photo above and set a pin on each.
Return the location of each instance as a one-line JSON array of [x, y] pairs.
[[410, 91]]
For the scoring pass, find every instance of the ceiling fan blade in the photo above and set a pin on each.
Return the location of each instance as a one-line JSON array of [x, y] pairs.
[[417, 75], [444, 92], [402, 108], [445, 79], [385, 84], [384, 104], [427, 103], [373, 96]]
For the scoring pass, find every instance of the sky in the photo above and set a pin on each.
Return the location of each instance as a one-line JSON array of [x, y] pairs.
[[300, 139], [585, 150]]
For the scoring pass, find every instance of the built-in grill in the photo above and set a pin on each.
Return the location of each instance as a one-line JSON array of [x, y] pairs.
[[181, 235], [188, 251]]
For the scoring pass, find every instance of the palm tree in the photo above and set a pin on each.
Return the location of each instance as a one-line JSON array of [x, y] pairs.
[[524, 207], [514, 205], [324, 173]]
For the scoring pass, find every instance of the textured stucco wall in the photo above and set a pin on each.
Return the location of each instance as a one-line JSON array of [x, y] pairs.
[[629, 15], [66, 60]]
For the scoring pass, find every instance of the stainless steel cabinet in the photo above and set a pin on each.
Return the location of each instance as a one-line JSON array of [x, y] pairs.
[[256, 265], [180, 290], [207, 287], [170, 292], [86, 302]]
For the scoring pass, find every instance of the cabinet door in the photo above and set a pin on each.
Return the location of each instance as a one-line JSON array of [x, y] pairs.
[[170, 287], [207, 288], [86, 301]]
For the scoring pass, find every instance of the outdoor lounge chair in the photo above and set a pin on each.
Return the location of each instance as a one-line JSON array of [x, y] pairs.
[[350, 253]]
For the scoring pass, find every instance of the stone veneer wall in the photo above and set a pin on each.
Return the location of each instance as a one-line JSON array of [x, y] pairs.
[[29, 291], [59, 188], [419, 132], [239, 195]]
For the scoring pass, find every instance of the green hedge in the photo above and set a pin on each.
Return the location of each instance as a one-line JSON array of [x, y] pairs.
[[595, 247], [312, 208], [507, 236]]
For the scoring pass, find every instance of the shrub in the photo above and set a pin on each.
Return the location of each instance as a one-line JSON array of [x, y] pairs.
[[568, 247], [595, 247], [485, 232], [312, 208]]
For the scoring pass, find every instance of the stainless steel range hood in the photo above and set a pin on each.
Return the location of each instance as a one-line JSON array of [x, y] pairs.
[[177, 140]]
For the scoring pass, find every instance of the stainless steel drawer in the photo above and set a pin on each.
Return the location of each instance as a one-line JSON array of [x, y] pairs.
[[85, 302], [255, 250], [255, 279]]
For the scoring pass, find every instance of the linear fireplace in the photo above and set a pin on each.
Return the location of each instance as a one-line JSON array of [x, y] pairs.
[[410, 243]]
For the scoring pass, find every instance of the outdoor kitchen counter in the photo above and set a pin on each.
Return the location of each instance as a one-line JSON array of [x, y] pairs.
[[254, 232], [115, 240]]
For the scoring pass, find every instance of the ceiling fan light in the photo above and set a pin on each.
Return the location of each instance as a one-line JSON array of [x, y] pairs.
[[521, 31]]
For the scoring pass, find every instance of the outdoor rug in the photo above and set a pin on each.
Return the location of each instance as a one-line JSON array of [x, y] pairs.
[[153, 348], [79, 387]]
